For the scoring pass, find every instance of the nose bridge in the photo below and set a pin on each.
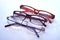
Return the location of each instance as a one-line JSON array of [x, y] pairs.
[[26, 20], [28, 17]]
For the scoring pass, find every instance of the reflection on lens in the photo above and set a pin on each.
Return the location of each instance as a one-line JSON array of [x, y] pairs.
[[36, 22], [18, 18]]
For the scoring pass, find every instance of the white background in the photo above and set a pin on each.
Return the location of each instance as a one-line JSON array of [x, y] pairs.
[[8, 6]]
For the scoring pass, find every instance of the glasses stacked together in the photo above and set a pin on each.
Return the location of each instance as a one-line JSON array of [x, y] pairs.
[[31, 16]]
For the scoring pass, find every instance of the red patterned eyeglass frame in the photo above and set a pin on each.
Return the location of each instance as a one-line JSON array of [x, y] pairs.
[[35, 11]]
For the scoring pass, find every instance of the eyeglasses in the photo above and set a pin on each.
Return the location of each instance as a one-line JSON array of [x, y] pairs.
[[47, 14], [31, 16], [21, 16]]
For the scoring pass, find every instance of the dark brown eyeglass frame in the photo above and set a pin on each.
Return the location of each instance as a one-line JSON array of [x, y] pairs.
[[29, 16]]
